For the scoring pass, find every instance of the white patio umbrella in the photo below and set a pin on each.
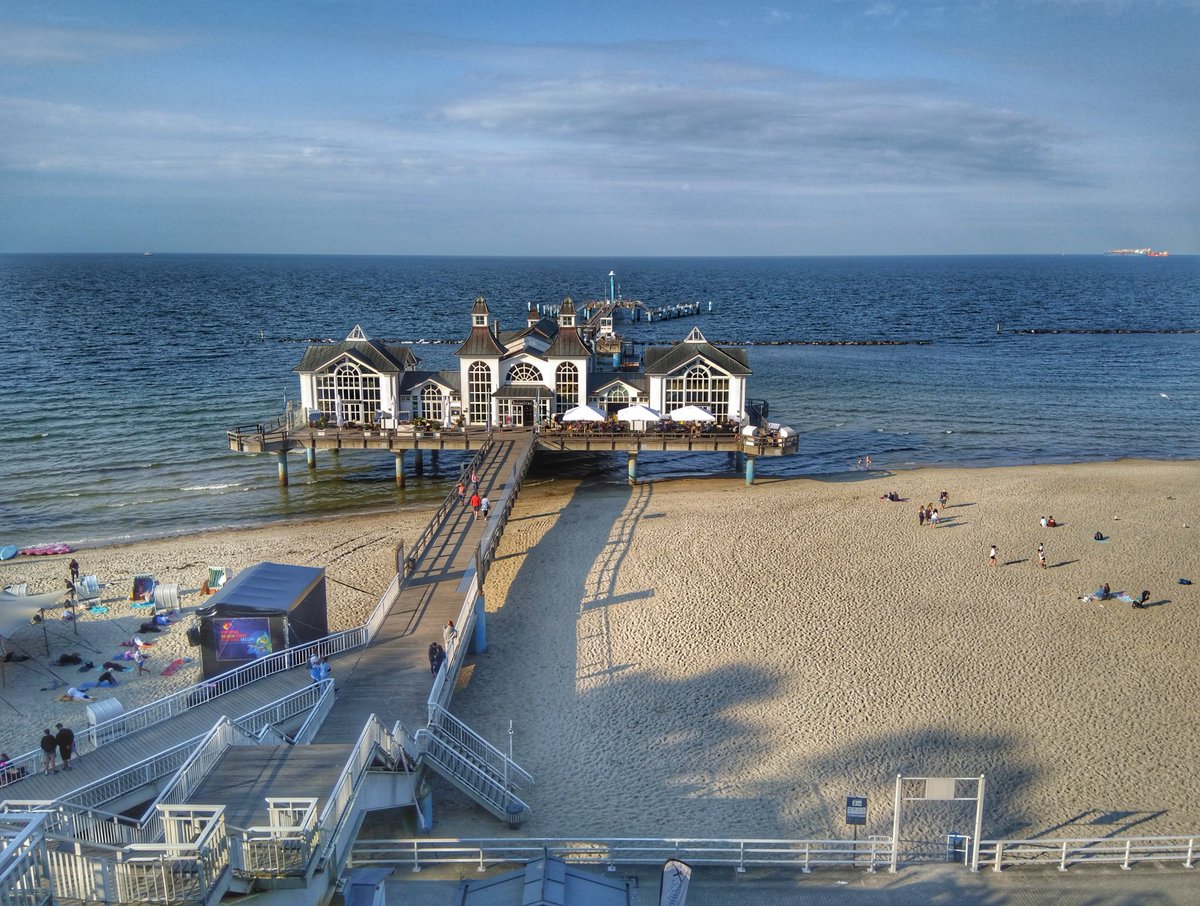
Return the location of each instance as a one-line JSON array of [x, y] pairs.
[[638, 415], [692, 414], [584, 414], [339, 410]]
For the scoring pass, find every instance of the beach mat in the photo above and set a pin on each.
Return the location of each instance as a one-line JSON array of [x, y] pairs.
[[170, 669]]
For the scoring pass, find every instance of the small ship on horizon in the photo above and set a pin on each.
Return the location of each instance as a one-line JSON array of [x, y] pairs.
[[1149, 253]]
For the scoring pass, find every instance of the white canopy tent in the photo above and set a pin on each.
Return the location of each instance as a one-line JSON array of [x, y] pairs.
[[584, 414], [691, 414]]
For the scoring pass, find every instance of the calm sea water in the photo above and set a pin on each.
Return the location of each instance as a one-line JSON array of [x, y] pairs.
[[121, 373]]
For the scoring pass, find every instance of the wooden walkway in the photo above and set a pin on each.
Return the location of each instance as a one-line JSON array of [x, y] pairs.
[[246, 775], [390, 678], [113, 757]]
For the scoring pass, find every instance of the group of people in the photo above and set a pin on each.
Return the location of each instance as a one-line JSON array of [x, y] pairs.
[[57, 745], [480, 505], [437, 652], [1048, 522]]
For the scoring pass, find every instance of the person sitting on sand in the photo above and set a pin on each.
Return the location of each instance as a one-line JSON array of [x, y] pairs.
[[1104, 593], [1045, 522], [1140, 603], [1050, 523]]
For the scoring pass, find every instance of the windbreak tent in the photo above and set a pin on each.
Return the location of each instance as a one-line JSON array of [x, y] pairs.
[[267, 608]]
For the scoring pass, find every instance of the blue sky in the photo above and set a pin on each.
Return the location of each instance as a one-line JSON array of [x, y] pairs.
[[620, 128]]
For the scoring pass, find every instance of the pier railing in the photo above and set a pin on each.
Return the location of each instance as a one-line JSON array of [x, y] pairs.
[[869, 854], [24, 879], [1064, 853]]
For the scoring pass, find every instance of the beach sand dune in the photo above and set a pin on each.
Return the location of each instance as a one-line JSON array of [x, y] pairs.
[[699, 658], [357, 553]]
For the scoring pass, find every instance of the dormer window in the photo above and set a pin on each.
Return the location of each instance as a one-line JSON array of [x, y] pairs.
[[479, 320], [566, 314]]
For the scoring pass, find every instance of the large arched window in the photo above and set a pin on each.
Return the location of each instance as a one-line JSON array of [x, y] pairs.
[[697, 386], [479, 393], [432, 404], [524, 373], [359, 393], [566, 387]]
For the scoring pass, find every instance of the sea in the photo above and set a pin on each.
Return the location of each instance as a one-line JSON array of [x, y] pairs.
[[122, 373]]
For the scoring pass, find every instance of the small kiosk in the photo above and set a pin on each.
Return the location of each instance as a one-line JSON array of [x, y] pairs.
[[267, 608]]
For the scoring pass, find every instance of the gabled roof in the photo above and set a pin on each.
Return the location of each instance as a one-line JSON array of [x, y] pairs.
[[376, 356], [414, 379], [599, 381], [480, 342], [666, 359]]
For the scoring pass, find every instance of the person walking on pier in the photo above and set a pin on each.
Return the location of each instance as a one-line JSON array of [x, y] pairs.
[[436, 655], [449, 634], [49, 748], [66, 745], [476, 501], [462, 492], [485, 506]]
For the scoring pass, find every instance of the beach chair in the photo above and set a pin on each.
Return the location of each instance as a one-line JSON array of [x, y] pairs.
[[87, 589], [218, 576], [143, 591]]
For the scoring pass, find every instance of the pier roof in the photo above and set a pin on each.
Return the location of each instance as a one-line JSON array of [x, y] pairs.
[[666, 359], [373, 354], [568, 345], [480, 342], [412, 379]]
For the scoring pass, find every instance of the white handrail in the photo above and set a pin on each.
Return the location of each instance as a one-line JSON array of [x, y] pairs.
[[1065, 852]]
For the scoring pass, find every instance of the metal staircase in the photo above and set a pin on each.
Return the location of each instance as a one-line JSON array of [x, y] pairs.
[[473, 764]]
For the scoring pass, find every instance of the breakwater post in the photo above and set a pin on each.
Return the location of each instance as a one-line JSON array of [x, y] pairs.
[[632, 468], [399, 468], [281, 457], [750, 457], [310, 454]]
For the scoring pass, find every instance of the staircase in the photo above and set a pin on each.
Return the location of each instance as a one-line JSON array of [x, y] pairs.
[[473, 764]]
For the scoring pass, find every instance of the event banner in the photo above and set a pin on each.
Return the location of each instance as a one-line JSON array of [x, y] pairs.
[[672, 890], [242, 638]]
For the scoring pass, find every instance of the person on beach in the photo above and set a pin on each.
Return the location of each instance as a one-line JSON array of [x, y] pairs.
[[1140, 603], [921, 516], [1044, 522], [65, 738], [476, 500], [992, 556], [1042, 556], [449, 634], [74, 567], [1105, 593], [140, 660], [1050, 523], [933, 518], [49, 749], [943, 499], [485, 506], [867, 462]]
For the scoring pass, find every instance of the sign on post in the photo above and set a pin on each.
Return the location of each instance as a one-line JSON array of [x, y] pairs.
[[856, 810]]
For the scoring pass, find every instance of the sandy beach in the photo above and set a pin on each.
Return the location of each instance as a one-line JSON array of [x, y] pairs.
[[699, 658], [358, 555]]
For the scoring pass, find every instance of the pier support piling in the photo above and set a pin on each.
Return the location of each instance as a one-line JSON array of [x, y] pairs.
[[400, 468], [750, 469], [420, 462], [281, 456], [632, 467], [310, 454]]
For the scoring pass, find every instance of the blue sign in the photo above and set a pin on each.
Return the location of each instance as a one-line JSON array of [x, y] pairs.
[[856, 809]]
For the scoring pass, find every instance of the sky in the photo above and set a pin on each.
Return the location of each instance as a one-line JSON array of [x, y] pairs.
[[656, 127]]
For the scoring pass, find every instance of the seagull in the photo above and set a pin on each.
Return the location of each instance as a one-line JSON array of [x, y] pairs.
[[1163, 395]]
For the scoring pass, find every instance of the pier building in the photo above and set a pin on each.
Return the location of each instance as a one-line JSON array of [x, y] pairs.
[[515, 378]]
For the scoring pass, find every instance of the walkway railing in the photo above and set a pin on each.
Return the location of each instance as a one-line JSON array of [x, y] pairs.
[[24, 880], [478, 749], [869, 854], [1123, 851]]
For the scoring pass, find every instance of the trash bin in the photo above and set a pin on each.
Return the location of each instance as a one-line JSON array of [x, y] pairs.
[[515, 812]]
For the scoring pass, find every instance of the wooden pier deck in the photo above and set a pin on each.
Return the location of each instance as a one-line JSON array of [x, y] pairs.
[[390, 677]]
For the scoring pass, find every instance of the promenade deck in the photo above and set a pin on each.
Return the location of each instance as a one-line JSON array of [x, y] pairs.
[[390, 677]]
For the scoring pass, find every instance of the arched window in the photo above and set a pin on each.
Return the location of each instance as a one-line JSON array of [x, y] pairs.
[[524, 373], [359, 393], [566, 387], [697, 386], [432, 404], [479, 393]]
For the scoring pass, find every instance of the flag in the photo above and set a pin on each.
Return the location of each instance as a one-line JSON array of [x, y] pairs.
[[673, 888]]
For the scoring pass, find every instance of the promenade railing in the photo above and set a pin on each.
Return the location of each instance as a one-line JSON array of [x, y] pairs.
[[869, 853], [1064, 853], [24, 877]]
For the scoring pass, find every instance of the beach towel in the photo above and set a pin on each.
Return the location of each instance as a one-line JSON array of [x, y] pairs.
[[172, 667], [69, 698], [97, 609]]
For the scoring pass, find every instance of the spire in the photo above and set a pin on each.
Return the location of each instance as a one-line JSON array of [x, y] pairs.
[[480, 313], [357, 334], [533, 317], [695, 336]]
